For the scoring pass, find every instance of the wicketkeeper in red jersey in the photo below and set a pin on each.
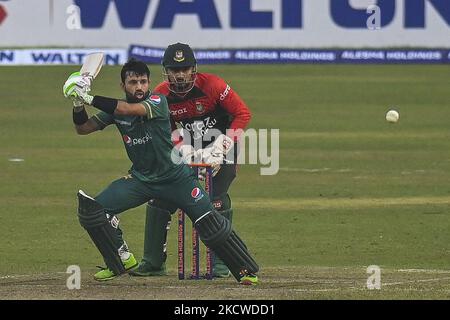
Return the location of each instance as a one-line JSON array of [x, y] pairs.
[[210, 115]]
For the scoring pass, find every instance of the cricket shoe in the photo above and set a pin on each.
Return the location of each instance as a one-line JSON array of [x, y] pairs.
[[249, 279], [144, 269], [105, 274]]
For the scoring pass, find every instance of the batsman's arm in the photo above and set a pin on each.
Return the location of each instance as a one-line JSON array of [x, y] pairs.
[[83, 124], [118, 107], [130, 109], [87, 128]]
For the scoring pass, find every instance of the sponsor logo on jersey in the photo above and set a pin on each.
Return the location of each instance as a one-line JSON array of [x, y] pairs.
[[199, 128], [136, 141], [178, 112], [155, 99], [197, 194], [127, 139], [224, 94], [199, 107]]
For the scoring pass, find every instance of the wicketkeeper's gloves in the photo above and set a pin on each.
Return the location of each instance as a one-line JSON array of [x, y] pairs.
[[216, 154]]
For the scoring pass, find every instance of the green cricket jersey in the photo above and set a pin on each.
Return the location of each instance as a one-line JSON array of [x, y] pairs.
[[147, 139]]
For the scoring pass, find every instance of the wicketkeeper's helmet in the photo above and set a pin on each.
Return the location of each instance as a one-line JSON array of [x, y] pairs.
[[179, 67]]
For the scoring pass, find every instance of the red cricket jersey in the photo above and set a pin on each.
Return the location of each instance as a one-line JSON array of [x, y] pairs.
[[210, 104]]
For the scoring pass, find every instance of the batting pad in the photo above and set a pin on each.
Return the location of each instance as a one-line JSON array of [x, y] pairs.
[[216, 232], [92, 217]]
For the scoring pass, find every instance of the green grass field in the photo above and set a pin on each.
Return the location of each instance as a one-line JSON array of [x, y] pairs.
[[352, 190]]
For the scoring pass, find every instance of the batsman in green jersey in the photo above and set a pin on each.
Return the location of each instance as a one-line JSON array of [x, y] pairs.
[[157, 172]]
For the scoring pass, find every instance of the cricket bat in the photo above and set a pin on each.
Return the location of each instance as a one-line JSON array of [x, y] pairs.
[[92, 64]]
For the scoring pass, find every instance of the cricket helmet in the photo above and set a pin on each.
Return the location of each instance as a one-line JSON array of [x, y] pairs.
[[179, 67]]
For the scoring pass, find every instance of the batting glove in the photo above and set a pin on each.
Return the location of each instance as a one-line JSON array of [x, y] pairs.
[[82, 95], [77, 87]]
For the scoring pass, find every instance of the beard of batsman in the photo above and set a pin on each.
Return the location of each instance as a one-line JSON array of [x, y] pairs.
[[134, 98]]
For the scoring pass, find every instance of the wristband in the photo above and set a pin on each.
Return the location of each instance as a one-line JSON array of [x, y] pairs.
[[80, 117], [105, 104]]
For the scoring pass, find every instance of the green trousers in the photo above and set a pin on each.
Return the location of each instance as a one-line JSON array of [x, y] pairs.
[[183, 190], [159, 217]]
